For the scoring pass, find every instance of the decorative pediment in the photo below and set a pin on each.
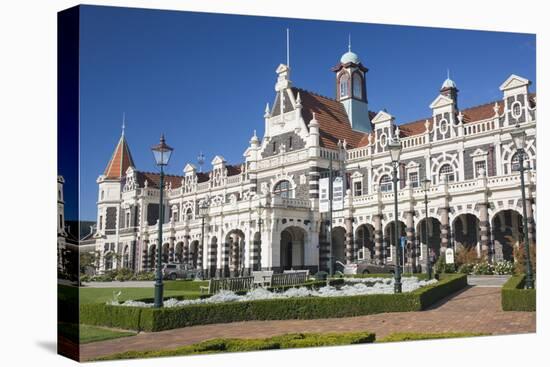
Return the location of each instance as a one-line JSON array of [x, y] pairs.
[[189, 169], [412, 164], [479, 152], [382, 116], [218, 160], [513, 82], [441, 101], [357, 174]]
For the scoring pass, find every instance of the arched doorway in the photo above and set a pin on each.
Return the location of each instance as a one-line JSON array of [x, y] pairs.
[[432, 237], [364, 242], [466, 232], [165, 252], [235, 244], [179, 252], [194, 254], [292, 248], [152, 257], [507, 227], [391, 243], [338, 248]]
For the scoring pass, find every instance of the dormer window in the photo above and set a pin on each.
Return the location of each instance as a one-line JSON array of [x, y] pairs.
[[357, 86], [344, 85]]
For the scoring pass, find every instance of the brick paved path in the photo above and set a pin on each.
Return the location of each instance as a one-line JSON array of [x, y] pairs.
[[475, 309]]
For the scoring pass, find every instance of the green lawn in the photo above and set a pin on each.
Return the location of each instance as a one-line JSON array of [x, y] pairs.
[[89, 334], [189, 289]]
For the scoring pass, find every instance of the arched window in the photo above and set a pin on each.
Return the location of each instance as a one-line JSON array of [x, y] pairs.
[[344, 85], [127, 219], [189, 214], [59, 195], [514, 163], [386, 184], [447, 171], [126, 257], [102, 194], [357, 86], [282, 189]]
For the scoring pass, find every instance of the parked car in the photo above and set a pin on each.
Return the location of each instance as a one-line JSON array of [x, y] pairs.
[[365, 266], [175, 271]]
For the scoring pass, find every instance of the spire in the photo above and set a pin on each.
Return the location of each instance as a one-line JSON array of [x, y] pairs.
[[287, 47], [120, 160], [266, 112], [349, 42]]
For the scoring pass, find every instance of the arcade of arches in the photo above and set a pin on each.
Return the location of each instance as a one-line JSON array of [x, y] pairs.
[[373, 242]]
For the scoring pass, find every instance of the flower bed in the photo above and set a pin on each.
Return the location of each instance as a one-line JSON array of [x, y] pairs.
[[358, 287], [156, 319], [516, 298]]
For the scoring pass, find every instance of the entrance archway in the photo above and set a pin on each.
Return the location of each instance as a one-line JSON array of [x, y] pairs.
[[432, 237], [364, 241], [193, 254], [292, 248], [338, 248], [165, 252], [392, 242], [152, 257], [466, 232], [179, 252], [507, 227], [235, 244]]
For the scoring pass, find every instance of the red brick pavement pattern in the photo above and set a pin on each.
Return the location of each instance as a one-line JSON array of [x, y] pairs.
[[476, 309]]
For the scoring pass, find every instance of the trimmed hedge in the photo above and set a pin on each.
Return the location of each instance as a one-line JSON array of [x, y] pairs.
[[515, 298], [399, 337], [286, 341], [151, 319]]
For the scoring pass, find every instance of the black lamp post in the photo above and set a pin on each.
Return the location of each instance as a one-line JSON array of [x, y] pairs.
[[203, 212], [395, 151], [162, 153], [519, 137], [260, 210], [426, 187]]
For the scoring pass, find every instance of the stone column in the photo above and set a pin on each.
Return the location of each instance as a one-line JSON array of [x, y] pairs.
[[145, 257], [349, 241], [323, 247], [171, 250], [378, 234], [185, 255], [234, 250], [411, 250], [445, 228], [484, 230], [200, 252]]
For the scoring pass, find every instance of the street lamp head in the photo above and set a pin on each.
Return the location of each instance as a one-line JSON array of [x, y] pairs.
[[426, 183], [395, 149], [518, 136], [260, 208], [203, 209], [162, 152]]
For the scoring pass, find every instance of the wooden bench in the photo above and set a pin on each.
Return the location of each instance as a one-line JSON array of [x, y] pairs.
[[230, 284], [292, 277], [262, 278]]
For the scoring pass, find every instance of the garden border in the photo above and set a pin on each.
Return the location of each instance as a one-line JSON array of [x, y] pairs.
[[152, 319], [515, 297]]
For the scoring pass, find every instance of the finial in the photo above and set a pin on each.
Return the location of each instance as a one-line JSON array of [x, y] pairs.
[[200, 161], [448, 74], [162, 140], [298, 100], [123, 122], [266, 113], [255, 133], [349, 42]]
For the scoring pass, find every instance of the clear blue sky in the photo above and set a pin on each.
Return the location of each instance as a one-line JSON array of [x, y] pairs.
[[204, 79]]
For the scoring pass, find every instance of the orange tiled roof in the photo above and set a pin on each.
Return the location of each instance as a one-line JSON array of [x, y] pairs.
[[120, 161]]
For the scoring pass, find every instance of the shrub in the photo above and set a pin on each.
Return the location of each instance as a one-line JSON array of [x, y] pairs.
[[483, 268], [466, 268], [297, 340], [150, 319], [504, 268], [144, 275], [515, 298], [441, 267], [519, 258], [399, 337], [123, 274], [466, 255]]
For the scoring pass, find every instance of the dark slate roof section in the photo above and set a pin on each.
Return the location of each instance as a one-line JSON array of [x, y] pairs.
[[153, 179]]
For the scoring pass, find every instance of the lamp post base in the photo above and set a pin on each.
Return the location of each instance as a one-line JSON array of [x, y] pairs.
[[397, 287], [159, 287]]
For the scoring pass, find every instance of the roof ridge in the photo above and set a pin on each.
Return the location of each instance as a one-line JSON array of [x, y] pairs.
[[314, 93]]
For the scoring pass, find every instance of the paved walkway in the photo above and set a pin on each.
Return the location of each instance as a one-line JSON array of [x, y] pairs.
[[475, 309], [488, 280]]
